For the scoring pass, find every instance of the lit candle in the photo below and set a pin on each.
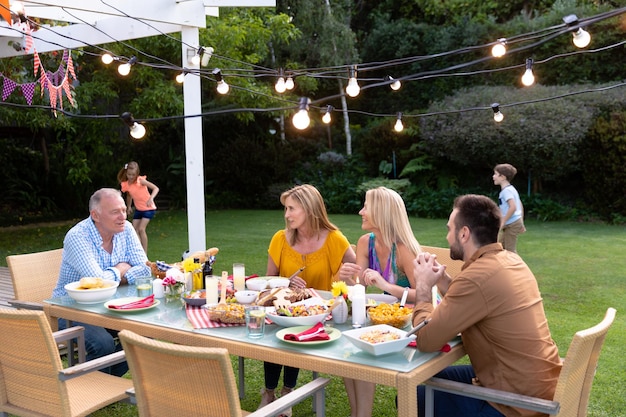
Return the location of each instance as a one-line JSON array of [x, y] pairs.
[[358, 305], [212, 296], [157, 288]]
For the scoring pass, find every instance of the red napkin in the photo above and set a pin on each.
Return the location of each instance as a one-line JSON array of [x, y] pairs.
[[144, 302], [445, 348], [316, 332]]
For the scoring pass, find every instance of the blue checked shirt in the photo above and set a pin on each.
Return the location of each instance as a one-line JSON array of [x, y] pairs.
[[83, 256]]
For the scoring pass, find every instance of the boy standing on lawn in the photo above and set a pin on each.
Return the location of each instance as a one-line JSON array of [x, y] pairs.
[[512, 223]]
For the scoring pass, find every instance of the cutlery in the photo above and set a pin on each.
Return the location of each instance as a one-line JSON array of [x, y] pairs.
[[297, 272], [224, 284], [416, 328], [335, 304]]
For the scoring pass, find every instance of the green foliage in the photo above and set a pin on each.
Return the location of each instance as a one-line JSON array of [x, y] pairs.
[[605, 172]]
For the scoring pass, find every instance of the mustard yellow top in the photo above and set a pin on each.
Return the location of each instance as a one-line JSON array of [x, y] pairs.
[[321, 265]]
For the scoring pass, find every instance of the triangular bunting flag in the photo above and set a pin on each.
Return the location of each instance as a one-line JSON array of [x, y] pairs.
[[7, 88], [28, 90], [37, 62]]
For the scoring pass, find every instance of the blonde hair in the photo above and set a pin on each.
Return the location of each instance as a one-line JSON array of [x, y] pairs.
[[121, 175], [387, 213], [313, 204]]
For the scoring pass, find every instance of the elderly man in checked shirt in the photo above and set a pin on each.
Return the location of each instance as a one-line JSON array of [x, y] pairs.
[[103, 245]]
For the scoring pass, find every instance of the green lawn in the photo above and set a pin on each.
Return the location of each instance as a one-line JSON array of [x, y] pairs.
[[580, 267]]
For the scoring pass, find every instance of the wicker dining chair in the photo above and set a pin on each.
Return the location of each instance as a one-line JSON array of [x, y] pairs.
[[34, 276], [33, 381], [179, 380], [453, 267], [573, 387]]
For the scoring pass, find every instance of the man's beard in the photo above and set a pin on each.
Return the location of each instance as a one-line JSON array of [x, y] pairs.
[[456, 250]]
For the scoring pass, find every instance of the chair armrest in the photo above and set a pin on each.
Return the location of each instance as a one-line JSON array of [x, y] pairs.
[[294, 397], [26, 305], [92, 365], [132, 398], [66, 335], [488, 394]]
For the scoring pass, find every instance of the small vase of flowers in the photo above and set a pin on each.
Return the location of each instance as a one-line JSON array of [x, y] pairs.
[[340, 292], [174, 283]]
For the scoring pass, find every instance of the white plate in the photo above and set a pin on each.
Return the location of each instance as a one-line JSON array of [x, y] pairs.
[[333, 333], [126, 300], [381, 298]]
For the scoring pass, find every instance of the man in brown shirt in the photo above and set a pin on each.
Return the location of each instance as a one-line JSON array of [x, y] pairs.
[[496, 306]]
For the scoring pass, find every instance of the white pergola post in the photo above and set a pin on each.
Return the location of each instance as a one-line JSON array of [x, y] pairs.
[[193, 147]]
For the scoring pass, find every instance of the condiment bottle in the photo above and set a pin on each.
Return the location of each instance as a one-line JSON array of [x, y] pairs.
[[198, 280], [358, 306], [207, 270]]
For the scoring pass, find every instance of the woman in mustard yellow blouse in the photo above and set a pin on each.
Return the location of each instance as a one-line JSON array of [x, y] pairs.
[[309, 240]]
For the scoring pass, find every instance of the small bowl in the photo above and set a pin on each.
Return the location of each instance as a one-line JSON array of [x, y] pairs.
[[246, 296], [92, 295], [380, 348], [256, 284], [278, 282], [195, 298]]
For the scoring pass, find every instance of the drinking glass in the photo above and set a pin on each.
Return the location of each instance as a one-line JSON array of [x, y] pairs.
[[239, 276], [255, 321], [144, 286]]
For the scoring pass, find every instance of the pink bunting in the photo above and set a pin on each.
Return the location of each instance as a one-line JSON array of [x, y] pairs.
[[37, 62], [68, 92], [7, 88], [28, 90], [70, 66]]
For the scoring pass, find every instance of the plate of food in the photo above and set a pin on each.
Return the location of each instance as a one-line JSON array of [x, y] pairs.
[[379, 340]]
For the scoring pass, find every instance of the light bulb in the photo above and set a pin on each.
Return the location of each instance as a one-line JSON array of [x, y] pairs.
[[582, 38], [528, 78], [395, 85], [353, 88], [326, 117], [222, 87], [107, 58], [301, 119], [195, 60], [206, 56], [497, 115], [499, 49], [124, 69], [180, 78], [137, 131], [398, 127], [289, 85], [280, 86]]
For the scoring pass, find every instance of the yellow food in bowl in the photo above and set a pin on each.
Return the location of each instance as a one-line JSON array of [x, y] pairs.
[[391, 314]]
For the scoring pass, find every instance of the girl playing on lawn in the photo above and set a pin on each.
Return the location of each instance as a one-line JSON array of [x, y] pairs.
[[142, 192]]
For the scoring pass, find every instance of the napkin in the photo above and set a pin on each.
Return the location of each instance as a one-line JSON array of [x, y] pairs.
[[316, 332], [444, 348], [144, 302]]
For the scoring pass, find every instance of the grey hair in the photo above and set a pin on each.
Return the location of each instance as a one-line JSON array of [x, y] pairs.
[[96, 198]]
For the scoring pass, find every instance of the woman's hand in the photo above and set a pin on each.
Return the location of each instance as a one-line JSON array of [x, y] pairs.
[[372, 277], [348, 272], [297, 282]]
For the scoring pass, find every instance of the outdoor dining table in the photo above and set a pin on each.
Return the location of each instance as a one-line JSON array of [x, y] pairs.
[[168, 321]]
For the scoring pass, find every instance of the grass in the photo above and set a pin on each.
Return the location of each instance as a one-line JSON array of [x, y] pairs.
[[579, 266]]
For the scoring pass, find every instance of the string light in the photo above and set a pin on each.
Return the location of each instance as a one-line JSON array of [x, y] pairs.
[[399, 127], [195, 59], [499, 49], [497, 115], [280, 86], [222, 86], [326, 118], [582, 38], [206, 56], [528, 78], [289, 84], [353, 88], [124, 69], [107, 58], [301, 119], [137, 130], [393, 83], [180, 78]]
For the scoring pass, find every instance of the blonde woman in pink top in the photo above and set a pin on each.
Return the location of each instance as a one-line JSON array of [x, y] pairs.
[[142, 193]]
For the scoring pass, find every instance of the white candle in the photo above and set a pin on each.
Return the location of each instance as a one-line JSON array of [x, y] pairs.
[[239, 277], [212, 296], [157, 288], [358, 305]]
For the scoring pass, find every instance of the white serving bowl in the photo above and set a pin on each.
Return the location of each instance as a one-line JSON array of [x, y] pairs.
[[246, 296], [382, 348], [286, 321], [278, 282], [256, 284], [92, 295]]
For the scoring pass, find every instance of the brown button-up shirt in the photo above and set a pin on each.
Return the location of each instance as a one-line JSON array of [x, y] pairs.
[[496, 306]]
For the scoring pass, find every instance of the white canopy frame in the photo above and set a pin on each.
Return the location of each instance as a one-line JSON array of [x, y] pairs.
[[108, 21]]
